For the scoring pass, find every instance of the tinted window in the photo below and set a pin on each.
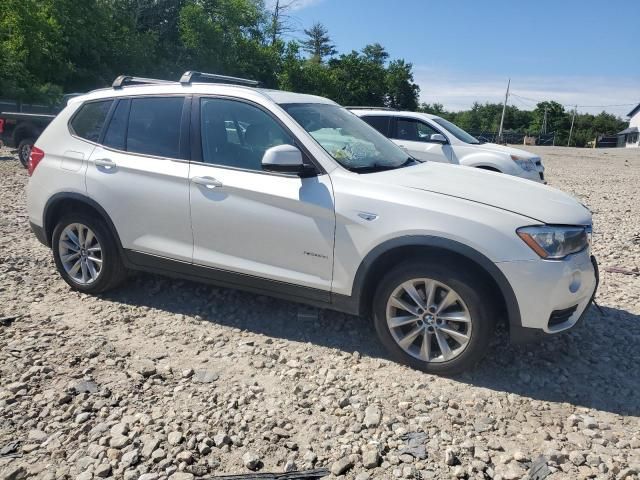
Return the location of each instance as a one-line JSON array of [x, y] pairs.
[[154, 126], [378, 122], [237, 134], [413, 130], [88, 122], [117, 130]]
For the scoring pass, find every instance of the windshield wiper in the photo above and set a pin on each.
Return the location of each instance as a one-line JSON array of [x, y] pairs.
[[377, 167]]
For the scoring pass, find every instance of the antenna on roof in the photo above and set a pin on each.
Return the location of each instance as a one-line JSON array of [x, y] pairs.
[[124, 80], [189, 77]]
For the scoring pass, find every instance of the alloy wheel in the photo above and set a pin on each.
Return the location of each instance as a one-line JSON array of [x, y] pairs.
[[429, 320], [80, 253]]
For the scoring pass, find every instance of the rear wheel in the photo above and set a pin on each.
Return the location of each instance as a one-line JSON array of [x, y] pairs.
[[86, 254], [435, 317], [24, 150]]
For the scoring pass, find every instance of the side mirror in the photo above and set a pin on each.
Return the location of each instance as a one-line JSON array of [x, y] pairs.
[[285, 159], [438, 138]]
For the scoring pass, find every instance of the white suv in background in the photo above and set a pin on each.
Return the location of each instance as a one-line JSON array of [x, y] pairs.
[[432, 138], [293, 196]]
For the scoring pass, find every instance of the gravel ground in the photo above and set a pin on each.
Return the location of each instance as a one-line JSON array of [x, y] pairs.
[[171, 379]]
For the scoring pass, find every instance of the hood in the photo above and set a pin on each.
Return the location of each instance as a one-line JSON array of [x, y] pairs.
[[494, 147], [524, 197]]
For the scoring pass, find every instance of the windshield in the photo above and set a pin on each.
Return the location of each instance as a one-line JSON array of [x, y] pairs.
[[456, 131], [349, 140]]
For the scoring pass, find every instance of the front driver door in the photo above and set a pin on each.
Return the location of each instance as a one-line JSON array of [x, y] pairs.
[[414, 136], [276, 230]]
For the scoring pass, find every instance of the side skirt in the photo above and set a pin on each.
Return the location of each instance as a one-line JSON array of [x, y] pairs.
[[223, 278]]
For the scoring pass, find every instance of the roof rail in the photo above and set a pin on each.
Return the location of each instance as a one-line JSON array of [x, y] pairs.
[[371, 108], [190, 76], [124, 80]]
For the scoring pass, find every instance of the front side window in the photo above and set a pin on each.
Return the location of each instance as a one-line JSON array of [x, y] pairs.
[[89, 120], [154, 126], [349, 140], [236, 134], [456, 131], [413, 130]]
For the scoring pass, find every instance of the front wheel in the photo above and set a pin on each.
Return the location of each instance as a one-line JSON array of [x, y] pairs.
[[86, 254], [436, 317], [24, 150]]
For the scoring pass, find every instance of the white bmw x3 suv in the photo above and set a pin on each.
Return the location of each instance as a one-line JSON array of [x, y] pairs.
[[432, 138], [293, 196]]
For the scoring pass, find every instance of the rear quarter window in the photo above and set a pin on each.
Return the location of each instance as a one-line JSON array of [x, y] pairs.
[[89, 120]]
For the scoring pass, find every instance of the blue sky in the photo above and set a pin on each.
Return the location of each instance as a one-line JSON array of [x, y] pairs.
[[575, 52]]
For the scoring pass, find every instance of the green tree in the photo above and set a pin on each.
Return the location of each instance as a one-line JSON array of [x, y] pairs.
[[402, 92], [318, 43]]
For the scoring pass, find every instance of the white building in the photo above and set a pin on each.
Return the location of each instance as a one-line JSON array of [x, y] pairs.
[[630, 137]]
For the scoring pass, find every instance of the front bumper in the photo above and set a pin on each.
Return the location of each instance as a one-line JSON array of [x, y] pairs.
[[544, 288]]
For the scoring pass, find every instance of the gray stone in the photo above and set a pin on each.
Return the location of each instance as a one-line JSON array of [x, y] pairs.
[[37, 436], [251, 460], [372, 416], [370, 459], [450, 457], [221, 439], [182, 476], [174, 438], [82, 417], [119, 441], [149, 444], [342, 466], [205, 376], [130, 458], [103, 470]]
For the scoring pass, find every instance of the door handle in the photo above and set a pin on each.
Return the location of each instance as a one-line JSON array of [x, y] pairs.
[[208, 182], [105, 162]]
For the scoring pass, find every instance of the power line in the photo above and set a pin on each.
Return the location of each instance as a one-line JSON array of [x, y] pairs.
[[572, 105]]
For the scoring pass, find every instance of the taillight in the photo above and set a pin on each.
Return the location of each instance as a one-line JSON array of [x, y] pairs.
[[34, 159], [1, 125]]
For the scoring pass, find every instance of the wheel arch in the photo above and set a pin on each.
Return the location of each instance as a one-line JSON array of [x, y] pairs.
[[65, 202], [378, 260]]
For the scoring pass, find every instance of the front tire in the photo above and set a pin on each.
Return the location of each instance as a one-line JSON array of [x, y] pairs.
[[24, 150], [86, 254], [434, 316]]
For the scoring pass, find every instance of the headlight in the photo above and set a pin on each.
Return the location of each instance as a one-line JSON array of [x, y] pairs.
[[554, 243], [524, 163]]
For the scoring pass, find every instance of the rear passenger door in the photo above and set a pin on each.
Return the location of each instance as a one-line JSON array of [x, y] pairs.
[[138, 173], [275, 229]]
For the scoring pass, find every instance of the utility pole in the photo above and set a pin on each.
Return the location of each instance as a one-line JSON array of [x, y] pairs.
[[504, 109], [572, 120], [544, 122]]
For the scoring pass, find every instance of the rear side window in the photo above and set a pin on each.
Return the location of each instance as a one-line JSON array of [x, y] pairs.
[[115, 137], [380, 123], [89, 120], [154, 126]]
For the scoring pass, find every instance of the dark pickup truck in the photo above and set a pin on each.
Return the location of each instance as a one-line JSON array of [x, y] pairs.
[[21, 130]]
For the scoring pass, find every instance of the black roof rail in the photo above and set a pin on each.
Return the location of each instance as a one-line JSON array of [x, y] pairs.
[[124, 80], [191, 76], [372, 108]]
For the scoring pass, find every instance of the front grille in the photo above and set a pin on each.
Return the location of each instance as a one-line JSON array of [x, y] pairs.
[[560, 316]]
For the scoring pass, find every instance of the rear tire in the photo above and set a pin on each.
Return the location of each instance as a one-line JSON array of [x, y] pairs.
[[440, 311], [86, 254], [24, 150]]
